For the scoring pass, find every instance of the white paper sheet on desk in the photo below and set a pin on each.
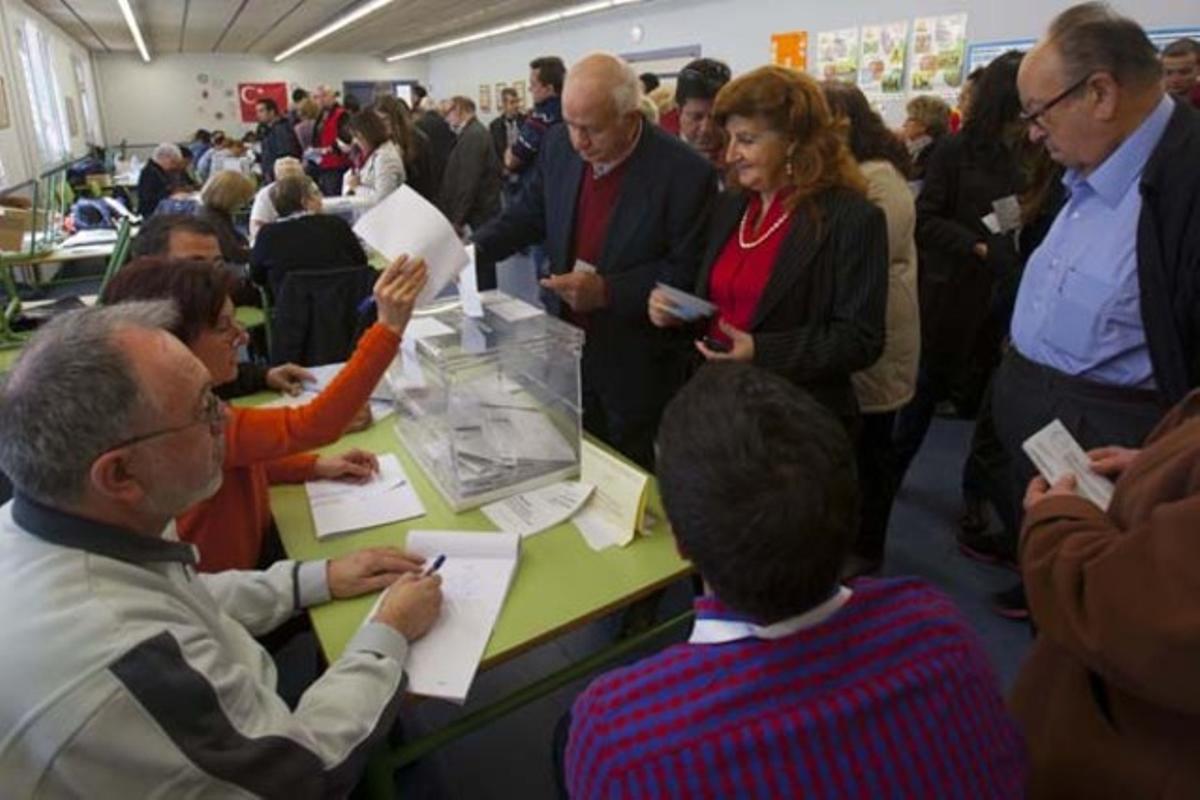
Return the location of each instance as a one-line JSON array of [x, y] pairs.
[[90, 237], [388, 497], [476, 576], [512, 309], [539, 510], [1054, 451], [404, 222], [324, 374], [614, 513], [379, 408]]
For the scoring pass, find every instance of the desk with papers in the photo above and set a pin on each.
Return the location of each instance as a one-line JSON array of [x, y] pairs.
[[561, 584]]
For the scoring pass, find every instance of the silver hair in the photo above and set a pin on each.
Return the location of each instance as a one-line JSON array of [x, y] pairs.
[[71, 396], [167, 151], [1093, 37]]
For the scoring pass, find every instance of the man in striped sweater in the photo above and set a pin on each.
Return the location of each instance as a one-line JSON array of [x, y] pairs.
[[791, 684]]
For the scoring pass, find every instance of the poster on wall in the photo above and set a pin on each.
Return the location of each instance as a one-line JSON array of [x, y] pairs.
[[790, 49], [882, 58], [837, 55], [519, 86], [936, 59], [485, 98], [250, 93], [980, 54]]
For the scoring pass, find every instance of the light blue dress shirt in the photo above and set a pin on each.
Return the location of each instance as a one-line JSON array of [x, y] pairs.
[[1078, 308]]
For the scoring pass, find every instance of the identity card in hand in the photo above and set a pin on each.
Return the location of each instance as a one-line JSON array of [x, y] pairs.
[[1054, 451], [687, 307]]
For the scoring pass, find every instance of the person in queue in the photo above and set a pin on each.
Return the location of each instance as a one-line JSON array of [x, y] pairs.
[[598, 181], [129, 674], [797, 256], [233, 528]]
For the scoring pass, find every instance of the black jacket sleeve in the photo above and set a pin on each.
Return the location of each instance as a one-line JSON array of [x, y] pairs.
[[937, 229], [521, 224]]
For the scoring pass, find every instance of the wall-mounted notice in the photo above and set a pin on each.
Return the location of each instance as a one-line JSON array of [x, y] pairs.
[[936, 58], [837, 55], [980, 54], [790, 49], [881, 64]]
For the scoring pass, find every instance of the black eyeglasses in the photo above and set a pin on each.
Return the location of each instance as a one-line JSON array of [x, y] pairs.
[[212, 415], [1035, 117]]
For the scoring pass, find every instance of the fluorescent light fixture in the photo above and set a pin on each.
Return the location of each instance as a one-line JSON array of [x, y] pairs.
[[131, 21], [513, 27], [333, 27]]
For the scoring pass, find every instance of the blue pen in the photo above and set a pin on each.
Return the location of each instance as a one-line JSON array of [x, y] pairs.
[[434, 567]]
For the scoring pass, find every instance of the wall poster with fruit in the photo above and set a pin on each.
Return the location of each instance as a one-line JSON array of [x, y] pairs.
[[936, 55], [882, 58]]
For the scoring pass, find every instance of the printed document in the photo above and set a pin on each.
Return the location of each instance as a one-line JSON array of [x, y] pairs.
[[614, 513], [539, 510], [1054, 451], [388, 496]]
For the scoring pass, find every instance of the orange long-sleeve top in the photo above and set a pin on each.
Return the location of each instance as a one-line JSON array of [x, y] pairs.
[[265, 446]]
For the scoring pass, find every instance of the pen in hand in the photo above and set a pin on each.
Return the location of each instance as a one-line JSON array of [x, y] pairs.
[[433, 566]]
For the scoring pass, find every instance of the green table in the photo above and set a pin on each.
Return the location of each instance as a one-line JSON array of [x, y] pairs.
[[8, 354], [561, 584]]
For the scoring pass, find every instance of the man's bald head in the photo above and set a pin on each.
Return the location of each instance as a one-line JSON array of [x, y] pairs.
[[600, 107], [603, 77]]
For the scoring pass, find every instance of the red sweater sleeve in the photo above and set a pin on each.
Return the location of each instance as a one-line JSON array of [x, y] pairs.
[[292, 469], [255, 435]]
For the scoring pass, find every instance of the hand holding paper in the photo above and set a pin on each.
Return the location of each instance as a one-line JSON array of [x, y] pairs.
[[1054, 451]]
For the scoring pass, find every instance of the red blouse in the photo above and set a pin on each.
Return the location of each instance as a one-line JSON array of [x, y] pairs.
[[740, 274]]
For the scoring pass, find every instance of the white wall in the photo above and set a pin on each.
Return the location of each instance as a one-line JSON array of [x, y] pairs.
[[161, 101], [739, 31]]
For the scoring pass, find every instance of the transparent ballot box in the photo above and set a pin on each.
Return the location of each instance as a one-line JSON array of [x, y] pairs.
[[489, 407]]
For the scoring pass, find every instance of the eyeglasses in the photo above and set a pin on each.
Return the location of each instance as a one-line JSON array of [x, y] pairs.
[[212, 415], [1035, 117]]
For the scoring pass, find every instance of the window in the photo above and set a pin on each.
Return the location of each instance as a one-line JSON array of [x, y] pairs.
[[45, 99], [91, 125]]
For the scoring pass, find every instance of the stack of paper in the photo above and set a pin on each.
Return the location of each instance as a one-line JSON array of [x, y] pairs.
[[476, 576], [617, 507], [388, 497], [687, 307], [1054, 451], [406, 223], [539, 510]]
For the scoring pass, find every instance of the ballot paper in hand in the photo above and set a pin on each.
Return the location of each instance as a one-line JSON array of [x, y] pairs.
[[468, 287], [1054, 451], [614, 513], [687, 307], [404, 222], [476, 576], [539, 510], [389, 496]]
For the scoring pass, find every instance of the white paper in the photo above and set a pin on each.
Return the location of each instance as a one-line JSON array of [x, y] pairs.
[[379, 408], [539, 510], [991, 222], [118, 207], [1054, 451], [508, 433], [614, 513], [324, 374], [404, 222], [425, 328], [1008, 213], [468, 287], [91, 237], [584, 267], [389, 496], [512, 309], [687, 307], [476, 576]]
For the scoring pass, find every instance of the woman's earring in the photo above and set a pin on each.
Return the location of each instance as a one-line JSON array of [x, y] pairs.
[[791, 169]]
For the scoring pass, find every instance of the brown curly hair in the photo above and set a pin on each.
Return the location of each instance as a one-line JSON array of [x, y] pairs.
[[792, 104]]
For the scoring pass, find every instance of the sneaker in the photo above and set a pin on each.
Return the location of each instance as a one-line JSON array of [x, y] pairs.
[[987, 548], [1011, 603]]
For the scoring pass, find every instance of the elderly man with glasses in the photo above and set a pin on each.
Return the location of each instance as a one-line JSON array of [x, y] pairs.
[[126, 672]]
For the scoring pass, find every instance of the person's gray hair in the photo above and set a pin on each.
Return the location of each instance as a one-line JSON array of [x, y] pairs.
[[167, 152], [1092, 37], [71, 396], [290, 194]]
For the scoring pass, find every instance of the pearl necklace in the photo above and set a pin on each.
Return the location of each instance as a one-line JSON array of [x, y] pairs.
[[742, 230]]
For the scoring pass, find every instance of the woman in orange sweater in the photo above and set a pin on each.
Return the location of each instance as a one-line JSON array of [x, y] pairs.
[[266, 445]]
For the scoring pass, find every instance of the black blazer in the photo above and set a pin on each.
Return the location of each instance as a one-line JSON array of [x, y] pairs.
[[956, 286], [821, 316], [500, 135], [471, 183], [154, 184], [304, 243], [656, 233]]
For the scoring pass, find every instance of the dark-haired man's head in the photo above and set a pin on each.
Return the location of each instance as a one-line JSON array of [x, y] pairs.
[[759, 483], [177, 237], [650, 82], [266, 110], [695, 91], [1181, 67], [546, 76]]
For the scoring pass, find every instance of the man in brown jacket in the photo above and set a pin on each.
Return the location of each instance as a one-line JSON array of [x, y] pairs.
[[1110, 696]]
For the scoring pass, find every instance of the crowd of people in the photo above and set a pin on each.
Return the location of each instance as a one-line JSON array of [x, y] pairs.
[[1031, 256]]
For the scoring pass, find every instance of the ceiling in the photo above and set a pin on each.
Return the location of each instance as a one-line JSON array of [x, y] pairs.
[[267, 27]]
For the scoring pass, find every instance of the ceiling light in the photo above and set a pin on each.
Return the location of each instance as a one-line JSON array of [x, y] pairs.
[[131, 21], [512, 27], [333, 27]]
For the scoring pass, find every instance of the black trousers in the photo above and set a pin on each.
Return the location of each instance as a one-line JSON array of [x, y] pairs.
[[987, 473], [877, 481], [1027, 396]]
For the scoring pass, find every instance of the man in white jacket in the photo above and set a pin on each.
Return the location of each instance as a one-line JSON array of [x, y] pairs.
[[125, 672]]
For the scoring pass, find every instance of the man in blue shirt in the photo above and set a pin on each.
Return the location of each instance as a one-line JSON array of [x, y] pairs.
[[1105, 325]]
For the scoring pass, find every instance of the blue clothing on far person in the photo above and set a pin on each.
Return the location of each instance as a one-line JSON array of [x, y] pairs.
[[1078, 309]]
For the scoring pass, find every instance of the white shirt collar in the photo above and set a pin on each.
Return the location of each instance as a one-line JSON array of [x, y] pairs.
[[721, 631]]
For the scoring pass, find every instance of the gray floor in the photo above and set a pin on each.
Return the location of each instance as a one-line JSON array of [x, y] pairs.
[[512, 757]]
